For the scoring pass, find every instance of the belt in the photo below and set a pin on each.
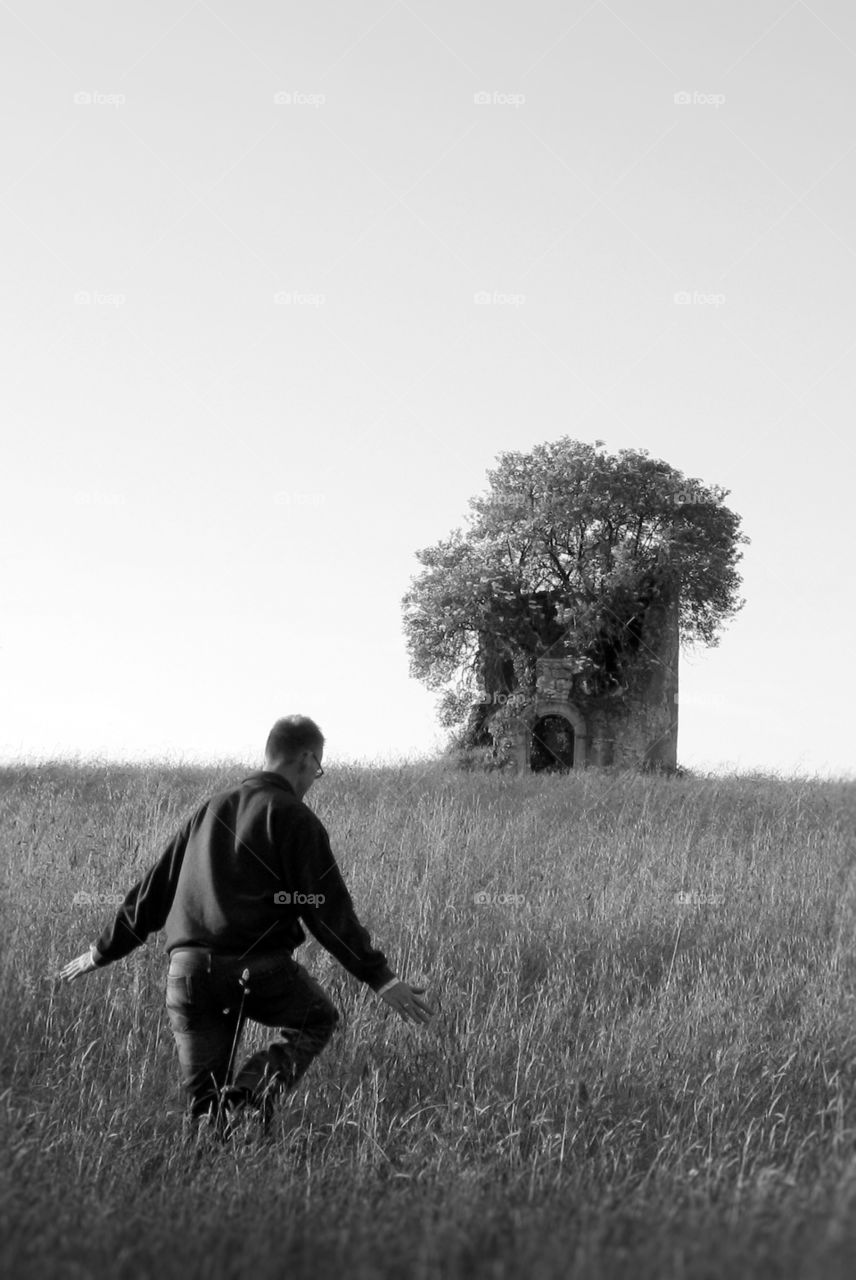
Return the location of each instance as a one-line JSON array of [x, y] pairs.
[[226, 955]]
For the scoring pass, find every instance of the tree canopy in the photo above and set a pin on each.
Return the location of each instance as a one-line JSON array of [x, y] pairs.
[[565, 552]]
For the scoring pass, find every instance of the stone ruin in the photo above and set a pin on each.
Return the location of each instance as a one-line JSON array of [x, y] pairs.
[[569, 726]]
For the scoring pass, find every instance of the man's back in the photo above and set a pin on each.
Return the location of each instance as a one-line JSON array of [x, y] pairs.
[[242, 873], [235, 889]]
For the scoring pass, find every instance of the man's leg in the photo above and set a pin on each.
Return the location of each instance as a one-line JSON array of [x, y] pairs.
[[206, 1023], [282, 994]]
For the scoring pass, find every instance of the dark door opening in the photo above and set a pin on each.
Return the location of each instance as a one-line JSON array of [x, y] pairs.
[[552, 747]]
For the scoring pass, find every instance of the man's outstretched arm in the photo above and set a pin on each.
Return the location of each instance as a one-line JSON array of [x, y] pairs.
[[144, 911], [330, 916]]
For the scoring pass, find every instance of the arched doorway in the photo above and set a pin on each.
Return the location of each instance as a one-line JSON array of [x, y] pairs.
[[551, 747]]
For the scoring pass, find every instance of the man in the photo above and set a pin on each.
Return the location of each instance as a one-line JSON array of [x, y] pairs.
[[230, 891]]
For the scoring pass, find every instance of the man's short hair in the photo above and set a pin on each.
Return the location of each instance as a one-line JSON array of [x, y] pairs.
[[291, 735]]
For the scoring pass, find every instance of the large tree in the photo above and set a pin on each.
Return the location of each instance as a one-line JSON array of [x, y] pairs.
[[568, 551]]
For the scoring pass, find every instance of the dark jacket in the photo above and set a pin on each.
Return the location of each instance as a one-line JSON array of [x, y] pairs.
[[239, 876]]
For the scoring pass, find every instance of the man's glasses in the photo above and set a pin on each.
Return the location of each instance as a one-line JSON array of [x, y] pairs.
[[320, 771]]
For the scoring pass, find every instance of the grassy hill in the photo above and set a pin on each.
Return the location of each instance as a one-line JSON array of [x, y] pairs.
[[643, 1062]]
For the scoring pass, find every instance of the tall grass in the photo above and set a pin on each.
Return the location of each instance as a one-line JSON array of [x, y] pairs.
[[643, 1060]]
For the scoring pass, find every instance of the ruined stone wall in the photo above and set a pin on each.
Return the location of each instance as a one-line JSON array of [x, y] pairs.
[[555, 679], [637, 728], [640, 728]]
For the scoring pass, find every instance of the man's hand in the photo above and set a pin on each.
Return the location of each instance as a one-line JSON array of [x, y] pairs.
[[74, 968], [404, 999]]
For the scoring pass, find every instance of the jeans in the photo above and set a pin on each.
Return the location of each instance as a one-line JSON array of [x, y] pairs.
[[208, 1003]]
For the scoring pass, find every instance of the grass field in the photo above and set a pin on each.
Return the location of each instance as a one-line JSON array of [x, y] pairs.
[[683, 947]]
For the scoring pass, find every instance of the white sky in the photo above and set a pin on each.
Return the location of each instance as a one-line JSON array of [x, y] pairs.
[[212, 500]]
